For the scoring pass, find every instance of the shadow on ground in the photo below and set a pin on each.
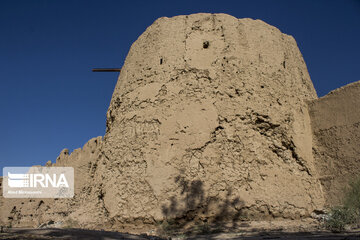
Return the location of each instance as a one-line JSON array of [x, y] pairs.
[[355, 235], [102, 235], [55, 233]]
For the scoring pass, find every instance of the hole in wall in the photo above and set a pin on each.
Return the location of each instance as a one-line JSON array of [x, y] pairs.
[[206, 44], [161, 61]]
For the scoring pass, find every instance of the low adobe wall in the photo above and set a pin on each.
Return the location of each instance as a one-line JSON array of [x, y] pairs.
[[335, 120]]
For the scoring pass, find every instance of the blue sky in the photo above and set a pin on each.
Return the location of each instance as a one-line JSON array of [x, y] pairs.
[[50, 99]]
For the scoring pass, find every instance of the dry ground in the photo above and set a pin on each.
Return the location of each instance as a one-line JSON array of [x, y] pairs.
[[21, 233]]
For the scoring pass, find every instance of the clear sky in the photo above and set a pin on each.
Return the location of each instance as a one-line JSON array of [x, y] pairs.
[[50, 99]]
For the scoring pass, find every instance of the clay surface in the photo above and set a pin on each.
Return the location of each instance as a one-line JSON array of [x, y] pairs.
[[335, 120], [209, 120]]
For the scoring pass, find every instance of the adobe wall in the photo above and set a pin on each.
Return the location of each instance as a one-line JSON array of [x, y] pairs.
[[335, 120]]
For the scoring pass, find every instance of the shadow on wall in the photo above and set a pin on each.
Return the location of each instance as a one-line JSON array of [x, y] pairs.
[[193, 212]]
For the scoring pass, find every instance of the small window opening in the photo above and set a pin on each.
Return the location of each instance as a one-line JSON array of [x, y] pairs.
[[206, 44]]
